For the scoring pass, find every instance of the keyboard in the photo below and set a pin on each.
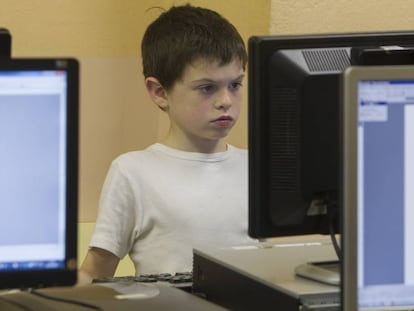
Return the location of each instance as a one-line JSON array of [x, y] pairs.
[[182, 280]]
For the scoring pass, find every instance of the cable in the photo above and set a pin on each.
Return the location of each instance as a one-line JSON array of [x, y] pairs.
[[336, 246], [332, 220], [66, 300]]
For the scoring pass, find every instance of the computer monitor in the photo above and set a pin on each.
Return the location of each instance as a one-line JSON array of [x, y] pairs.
[[38, 172], [377, 192], [293, 114], [5, 43]]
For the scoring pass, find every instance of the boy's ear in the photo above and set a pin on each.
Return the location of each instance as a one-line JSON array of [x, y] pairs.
[[157, 92]]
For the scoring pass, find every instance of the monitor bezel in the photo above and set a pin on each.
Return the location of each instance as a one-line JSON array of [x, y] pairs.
[[68, 274]]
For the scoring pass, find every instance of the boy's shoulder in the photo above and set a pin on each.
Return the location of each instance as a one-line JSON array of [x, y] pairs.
[[136, 154], [237, 150]]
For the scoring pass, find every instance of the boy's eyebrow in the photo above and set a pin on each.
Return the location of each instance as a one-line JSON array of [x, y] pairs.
[[211, 80]]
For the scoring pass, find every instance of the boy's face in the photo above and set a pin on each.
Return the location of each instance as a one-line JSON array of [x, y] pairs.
[[204, 105]]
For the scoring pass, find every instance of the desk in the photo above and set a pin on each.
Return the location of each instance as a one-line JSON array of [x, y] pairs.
[[148, 297], [262, 277]]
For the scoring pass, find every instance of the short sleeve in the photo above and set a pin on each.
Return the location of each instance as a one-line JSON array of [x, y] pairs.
[[116, 222]]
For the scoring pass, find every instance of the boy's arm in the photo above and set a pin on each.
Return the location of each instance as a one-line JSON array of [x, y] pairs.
[[98, 263]]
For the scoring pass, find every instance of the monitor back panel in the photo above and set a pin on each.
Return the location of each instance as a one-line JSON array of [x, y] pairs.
[[378, 188]]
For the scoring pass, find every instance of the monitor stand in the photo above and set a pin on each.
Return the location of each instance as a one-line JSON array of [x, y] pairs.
[[327, 272]]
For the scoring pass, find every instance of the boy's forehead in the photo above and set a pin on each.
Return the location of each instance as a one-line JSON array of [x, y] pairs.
[[207, 68]]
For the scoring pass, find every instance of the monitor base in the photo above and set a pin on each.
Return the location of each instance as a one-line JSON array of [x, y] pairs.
[[327, 272]]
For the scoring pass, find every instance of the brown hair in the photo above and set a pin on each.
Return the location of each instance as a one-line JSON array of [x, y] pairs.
[[183, 34]]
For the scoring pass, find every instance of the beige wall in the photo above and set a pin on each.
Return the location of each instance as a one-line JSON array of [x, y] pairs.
[[326, 16], [116, 114]]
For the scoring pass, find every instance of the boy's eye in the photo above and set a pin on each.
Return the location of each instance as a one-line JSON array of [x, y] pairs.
[[211, 88], [207, 88], [235, 85]]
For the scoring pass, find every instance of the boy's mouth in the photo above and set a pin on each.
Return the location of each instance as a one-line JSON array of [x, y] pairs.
[[223, 121]]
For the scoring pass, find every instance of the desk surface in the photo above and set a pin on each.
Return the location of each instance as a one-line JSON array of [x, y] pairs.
[[274, 262], [114, 296]]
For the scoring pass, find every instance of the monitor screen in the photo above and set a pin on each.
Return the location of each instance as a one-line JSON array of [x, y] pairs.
[[378, 170], [293, 93], [38, 172]]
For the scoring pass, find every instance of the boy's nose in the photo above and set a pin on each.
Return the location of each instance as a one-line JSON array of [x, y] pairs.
[[224, 101]]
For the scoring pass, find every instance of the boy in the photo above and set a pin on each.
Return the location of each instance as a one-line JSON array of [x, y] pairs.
[[189, 189]]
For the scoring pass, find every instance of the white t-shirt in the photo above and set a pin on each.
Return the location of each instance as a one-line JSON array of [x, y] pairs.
[[159, 203]]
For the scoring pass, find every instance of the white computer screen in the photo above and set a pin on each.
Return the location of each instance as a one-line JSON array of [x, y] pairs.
[[32, 169]]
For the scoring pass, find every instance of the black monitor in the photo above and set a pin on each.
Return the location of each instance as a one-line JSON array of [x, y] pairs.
[[294, 141], [5, 43], [38, 172], [293, 94]]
